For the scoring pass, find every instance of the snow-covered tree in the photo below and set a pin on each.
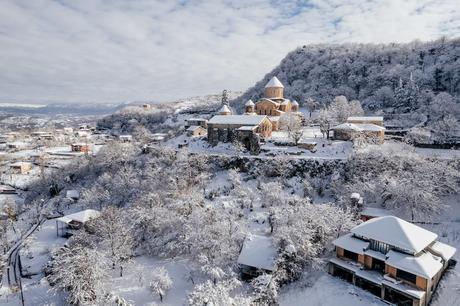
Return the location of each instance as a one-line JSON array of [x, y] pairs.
[[116, 235], [221, 293], [160, 282], [81, 273]]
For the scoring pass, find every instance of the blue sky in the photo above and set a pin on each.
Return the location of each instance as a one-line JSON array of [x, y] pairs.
[[84, 51]]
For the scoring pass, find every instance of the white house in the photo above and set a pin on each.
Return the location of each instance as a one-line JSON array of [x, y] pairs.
[[395, 260]]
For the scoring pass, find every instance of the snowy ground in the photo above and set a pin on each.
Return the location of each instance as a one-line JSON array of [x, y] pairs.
[[134, 285], [325, 149], [34, 255], [327, 291]]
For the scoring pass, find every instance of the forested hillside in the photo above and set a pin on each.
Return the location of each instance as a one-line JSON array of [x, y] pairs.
[[398, 78]]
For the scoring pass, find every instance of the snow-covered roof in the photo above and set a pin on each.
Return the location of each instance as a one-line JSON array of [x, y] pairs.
[[346, 126], [125, 136], [375, 254], [285, 102], [224, 109], [425, 265], [196, 119], [20, 164], [274, 82], [237, 119], [445, 250], [258, 252], [351, 243], [370, 127], [81, 216], [250, 103], [374, 212], [274, 118], [72, 194], [365, 118], [396, 232], [247, 128], [295, 103], [194, 127]]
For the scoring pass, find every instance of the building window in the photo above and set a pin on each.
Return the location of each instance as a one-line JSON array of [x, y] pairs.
[[350, 255], [406, 276]]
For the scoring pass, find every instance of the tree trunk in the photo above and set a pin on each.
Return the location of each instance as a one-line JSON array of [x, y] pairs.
[[121, 271]]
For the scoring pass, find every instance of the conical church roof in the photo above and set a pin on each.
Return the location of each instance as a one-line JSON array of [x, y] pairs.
[[274, 82]]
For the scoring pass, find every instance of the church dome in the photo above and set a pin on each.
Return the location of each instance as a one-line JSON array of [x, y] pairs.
[[274, 83]]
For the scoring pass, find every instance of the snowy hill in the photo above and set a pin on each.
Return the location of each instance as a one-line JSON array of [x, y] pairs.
[[370, 73]]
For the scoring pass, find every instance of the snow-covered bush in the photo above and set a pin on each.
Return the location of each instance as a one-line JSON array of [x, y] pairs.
[[160, 282]]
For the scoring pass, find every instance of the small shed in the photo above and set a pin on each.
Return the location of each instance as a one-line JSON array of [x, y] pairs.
[[67, 225], [21, 167], [257, 256]]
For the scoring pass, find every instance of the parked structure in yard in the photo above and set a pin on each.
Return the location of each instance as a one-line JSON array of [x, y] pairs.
[[21, 167], [395, 260], [257, 256], [67, 225], [80, 147]]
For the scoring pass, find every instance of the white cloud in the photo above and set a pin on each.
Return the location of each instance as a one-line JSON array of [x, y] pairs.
[[96, 50]]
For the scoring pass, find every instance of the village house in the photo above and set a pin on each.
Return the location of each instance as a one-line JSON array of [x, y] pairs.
[[21, 167], [377, 120], [125, 138], [157, 138], [41, 135], [366, 128], [273, 103], [196, 131], [83, 133], [395, 260], [196, 122], [257, 256], [80, 147], [66, 226]]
